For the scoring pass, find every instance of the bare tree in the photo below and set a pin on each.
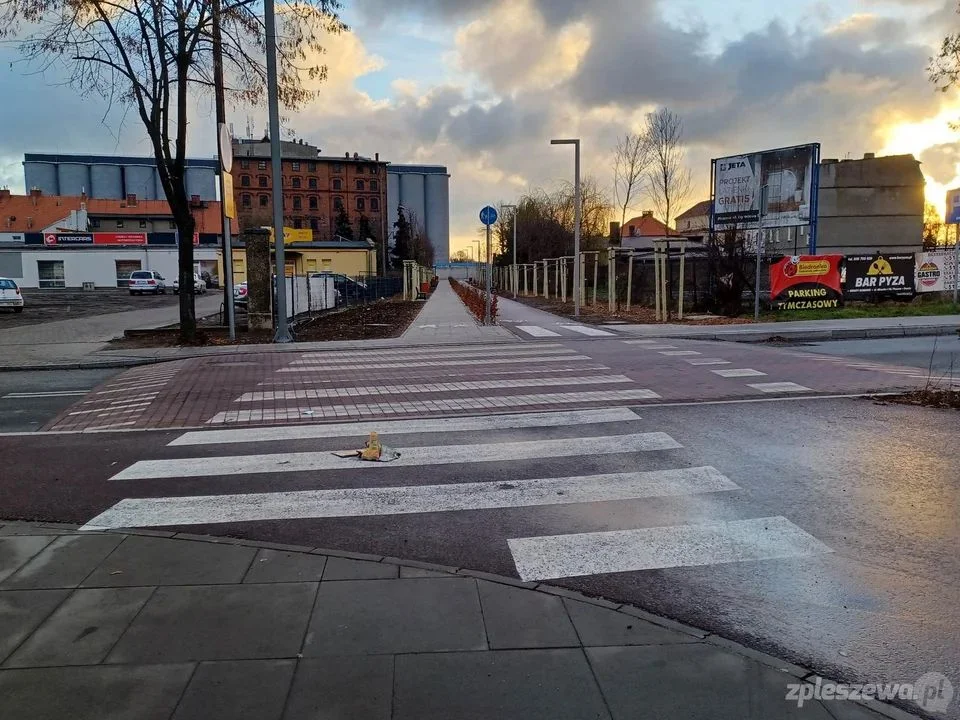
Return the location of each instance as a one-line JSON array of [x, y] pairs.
[[631, 161], [157, 55], [668, 180]]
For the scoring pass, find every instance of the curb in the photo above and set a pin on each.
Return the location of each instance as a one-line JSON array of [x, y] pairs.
[[819, 335], [797, 671]]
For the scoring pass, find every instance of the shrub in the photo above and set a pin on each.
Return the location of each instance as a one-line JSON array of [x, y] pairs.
[[475, 300]]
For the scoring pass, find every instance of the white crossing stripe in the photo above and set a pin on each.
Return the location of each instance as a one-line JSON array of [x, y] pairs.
[[708, 361], [449, 350], [435, 363], [356, 502], [133, 399], [347, 392], [129, 389], [587, 330], [738, 373], [537, 331], [679, 353], [111, 409], [560, 556], [415, 425], [779, 387], [429, 354], [432, 405], [660, 347], [112, 425], [48, 393], [642, 342], [409, 457], [431, 374]]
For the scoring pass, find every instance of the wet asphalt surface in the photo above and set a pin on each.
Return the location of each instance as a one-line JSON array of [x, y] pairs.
[[49, 392], [879, 484]]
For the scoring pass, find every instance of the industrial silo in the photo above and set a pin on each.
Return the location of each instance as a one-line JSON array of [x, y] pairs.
[[438, 214], [139, 180], [202, 181], [42, 175], [413, 196], [106, 182], [393, 199], [73, 179]]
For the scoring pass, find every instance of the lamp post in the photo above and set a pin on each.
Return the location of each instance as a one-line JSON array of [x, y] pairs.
[[513, 272], [478, 242], [576, 222]]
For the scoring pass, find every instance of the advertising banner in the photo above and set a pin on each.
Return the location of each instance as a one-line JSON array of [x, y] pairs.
[[68, 239], [936, 271], [953, 207], [869, 275], [806, 282], [119, 238], [787, 174]]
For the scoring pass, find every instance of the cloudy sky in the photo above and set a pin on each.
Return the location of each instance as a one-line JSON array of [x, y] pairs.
[[482, 85]]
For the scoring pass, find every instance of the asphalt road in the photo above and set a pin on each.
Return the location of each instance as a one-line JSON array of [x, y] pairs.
[[940, 354], [868, 591], [29, 399]]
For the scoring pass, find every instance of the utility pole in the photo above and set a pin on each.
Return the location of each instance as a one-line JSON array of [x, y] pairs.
[[514, 277], [576, 222], [270, 25], [223, 137]]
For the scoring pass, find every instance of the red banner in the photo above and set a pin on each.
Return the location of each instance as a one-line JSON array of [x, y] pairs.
[[119, 238], [806, 282]]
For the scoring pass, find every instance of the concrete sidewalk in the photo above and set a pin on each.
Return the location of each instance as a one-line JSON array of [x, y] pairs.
[[446, 319], [153, 625]]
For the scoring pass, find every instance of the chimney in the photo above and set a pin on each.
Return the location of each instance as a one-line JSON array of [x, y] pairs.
[[346, 155], [131, 200], [376, 156], [869, 156], [4, 193]]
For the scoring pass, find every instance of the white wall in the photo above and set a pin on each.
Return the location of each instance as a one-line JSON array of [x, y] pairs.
[[98, 265], [11, 237]]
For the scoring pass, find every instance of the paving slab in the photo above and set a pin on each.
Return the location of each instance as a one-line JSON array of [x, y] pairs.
[[64, 563], [342, 688], [599, 626], [506, 685], [93, 693], [230, 622], [346, 569], [282, 567], [694, 682], [16, 551], [232, 689], [518, 618], [21, 611], [159, 561], [396, 616], [83, 628]]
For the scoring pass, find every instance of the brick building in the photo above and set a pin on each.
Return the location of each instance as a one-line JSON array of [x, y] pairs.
[[314, 186]]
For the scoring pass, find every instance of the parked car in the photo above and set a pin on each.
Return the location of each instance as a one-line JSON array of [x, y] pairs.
[[10, 295], [147, 281], [347, 288], [199, 285]]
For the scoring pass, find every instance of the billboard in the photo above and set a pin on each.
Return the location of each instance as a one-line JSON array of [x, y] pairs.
[[953, 207], [936, 271], [790, 176], [95, 239], [869, 275], [806, 282]]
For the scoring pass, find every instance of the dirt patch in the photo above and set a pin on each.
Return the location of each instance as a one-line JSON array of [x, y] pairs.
[[384, 319], [600, 314], [42, 306], [932, 398]]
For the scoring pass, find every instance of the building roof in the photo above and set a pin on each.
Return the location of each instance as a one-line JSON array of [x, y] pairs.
[[111, 160], [290, 150], [699, 210], [646, 226], [417, 170], [34, 212]]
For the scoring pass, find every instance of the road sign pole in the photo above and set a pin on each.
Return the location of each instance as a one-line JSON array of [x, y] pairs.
[[486, 312]]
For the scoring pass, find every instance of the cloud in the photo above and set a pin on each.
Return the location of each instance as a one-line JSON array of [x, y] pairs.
[[941, 162]]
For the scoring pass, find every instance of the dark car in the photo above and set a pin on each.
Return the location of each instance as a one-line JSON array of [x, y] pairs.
[[348, 289]]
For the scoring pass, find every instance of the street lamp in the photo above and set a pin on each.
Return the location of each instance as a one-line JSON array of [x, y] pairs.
[[576, 222], [478, 257], [514, 279]]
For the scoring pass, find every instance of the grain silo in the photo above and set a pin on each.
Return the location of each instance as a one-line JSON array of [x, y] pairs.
[[73, 178], [106, 181], [424, 190], [139, 180]]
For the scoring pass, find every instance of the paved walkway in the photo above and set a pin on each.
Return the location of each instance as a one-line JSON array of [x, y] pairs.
[[446, 319], [150, 626]]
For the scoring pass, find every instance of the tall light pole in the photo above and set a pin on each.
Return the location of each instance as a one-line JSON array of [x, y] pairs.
[[478, 242], [514, 278], [576, 222]]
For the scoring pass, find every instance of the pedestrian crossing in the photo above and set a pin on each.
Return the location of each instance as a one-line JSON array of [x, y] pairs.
[[523, 463], [567, 330]]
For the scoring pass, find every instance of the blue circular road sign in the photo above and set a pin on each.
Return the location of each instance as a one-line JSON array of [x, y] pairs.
[[488, 216]]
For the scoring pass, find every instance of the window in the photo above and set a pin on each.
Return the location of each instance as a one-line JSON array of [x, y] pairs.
[[246, 201], [94, 223], [264, 200], [374, 203], [297, 224], [360, 204], [374, 186], [119, 224], [314, 224], [124, 268], [50, 274], [312, 183], [244, 181], [172, 224], [314, 203], [295, 166], [244, 164], [338, 167], [338, 202], [262, 181], [337, 184], [262, 165], [143, 224], [296, 182], [359, 169], [360, 185], [311, 167], [297, 203], [311, 265]]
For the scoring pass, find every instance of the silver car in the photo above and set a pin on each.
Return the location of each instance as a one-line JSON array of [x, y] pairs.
[[10, 295], [147, 281]]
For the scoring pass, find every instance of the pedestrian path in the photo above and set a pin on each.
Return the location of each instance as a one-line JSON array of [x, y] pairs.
[[445, 319]]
